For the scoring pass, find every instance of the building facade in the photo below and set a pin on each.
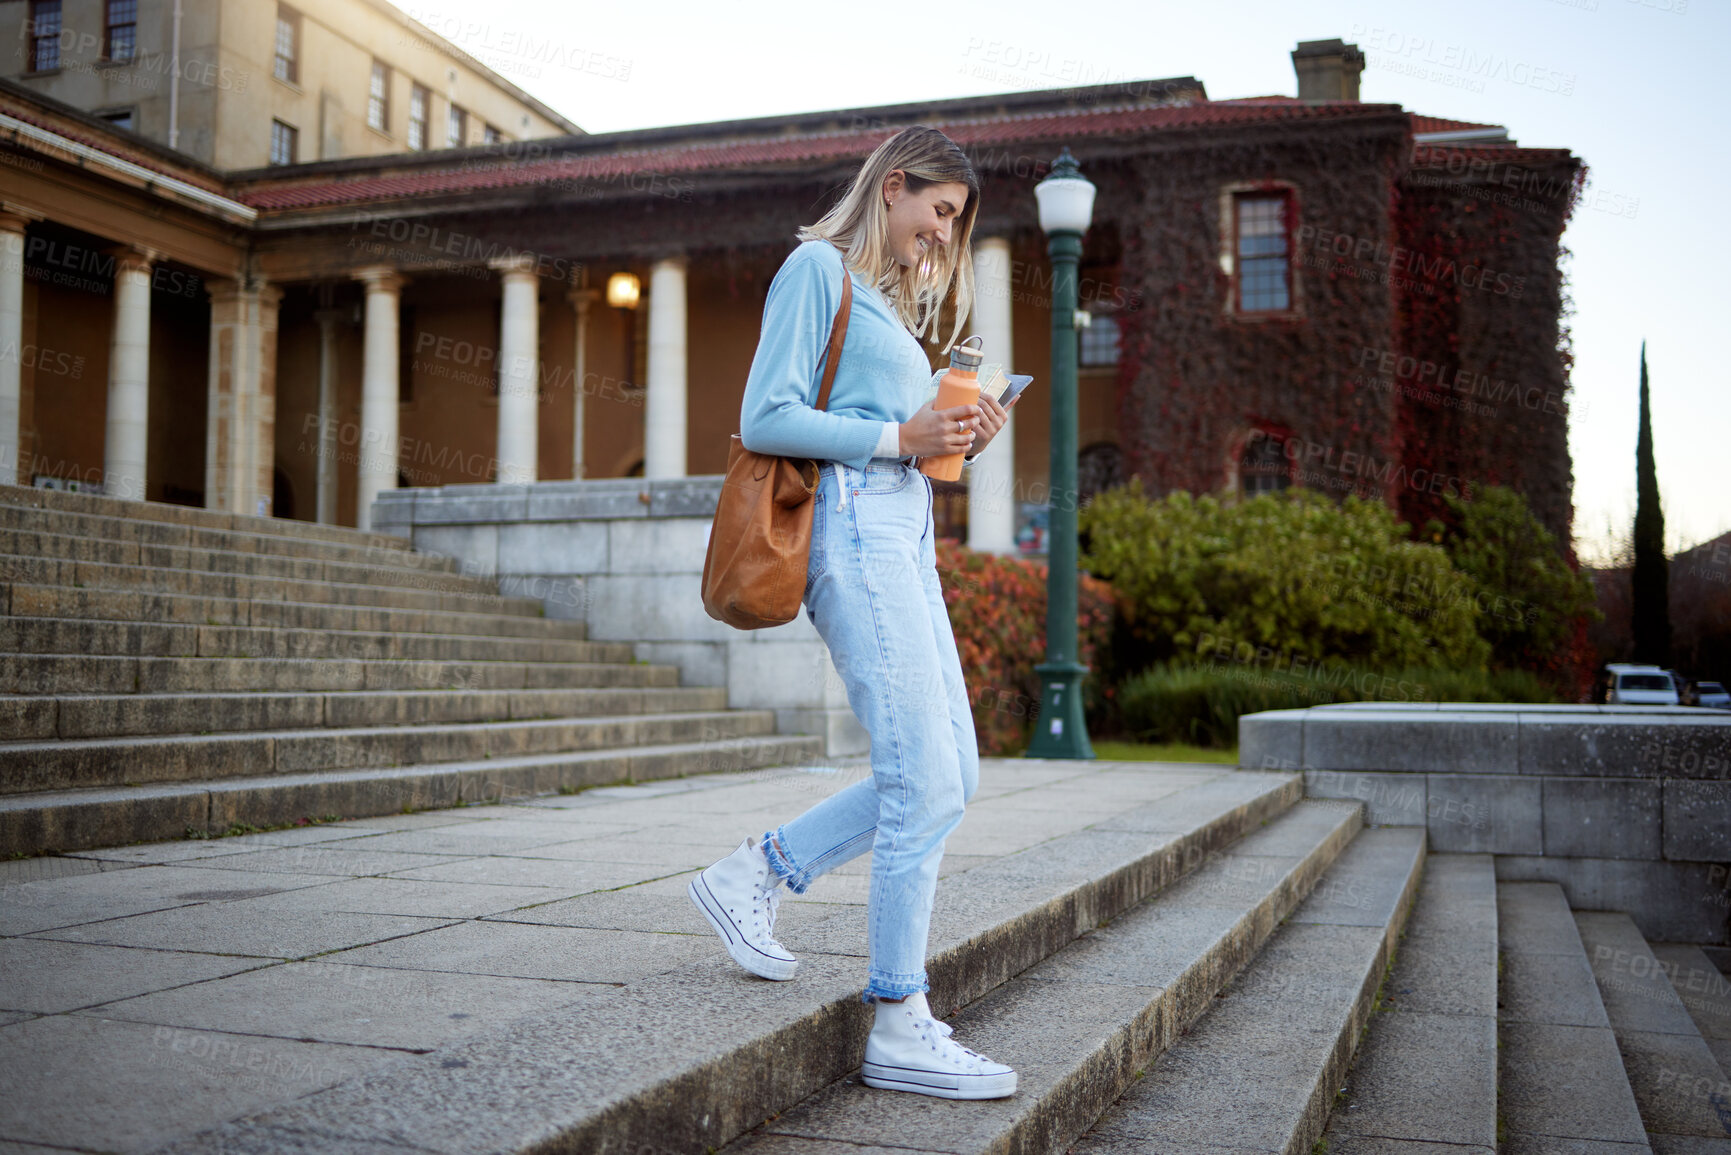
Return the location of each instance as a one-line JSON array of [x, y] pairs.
[[241, 84], [1284, 292]]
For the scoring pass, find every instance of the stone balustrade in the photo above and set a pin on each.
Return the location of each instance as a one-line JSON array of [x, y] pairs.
[[626, 555], [1627, 807]]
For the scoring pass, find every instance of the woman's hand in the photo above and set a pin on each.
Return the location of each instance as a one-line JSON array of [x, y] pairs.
[[940, 432], [992, 418]]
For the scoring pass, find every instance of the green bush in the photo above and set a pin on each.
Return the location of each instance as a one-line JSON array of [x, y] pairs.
[[1281, 578], [1532, 605], [1201, 704]]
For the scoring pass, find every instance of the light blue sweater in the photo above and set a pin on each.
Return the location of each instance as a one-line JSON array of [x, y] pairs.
[[882, 376]]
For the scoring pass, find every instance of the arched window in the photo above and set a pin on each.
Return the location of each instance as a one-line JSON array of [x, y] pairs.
[[1262, 467], [1099, 467]]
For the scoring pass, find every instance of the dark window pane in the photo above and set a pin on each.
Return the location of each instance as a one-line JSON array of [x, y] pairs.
[[418, 101], [378, 92], [287, 50], [1099, 342], [1262, 246], [45, 34], [122, 29], [282, 143], [1262, 469]]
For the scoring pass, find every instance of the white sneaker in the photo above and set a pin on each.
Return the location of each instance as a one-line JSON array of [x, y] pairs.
[[739, 895], [908, 1050]]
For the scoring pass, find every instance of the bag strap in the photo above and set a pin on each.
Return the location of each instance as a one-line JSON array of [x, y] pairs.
[[837, 334]]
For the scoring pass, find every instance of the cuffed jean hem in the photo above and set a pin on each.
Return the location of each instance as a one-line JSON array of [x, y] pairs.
[[894, 987], [796, 879]]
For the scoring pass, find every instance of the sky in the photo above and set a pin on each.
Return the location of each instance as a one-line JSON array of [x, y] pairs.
[[1632, 87]]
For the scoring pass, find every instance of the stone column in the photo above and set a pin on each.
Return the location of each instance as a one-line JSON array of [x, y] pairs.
[[379, 390], [519, 372], [992, 479], [664, 433], [240, 421], [580, 299], [327, 319], [128, 418], [13, 221]]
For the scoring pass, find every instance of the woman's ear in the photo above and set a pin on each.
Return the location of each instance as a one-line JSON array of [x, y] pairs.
[[894, 183]]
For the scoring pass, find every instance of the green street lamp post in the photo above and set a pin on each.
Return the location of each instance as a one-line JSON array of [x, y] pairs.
[[1066, 200]]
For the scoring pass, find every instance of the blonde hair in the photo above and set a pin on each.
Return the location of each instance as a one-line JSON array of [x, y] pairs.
[[859, 227]]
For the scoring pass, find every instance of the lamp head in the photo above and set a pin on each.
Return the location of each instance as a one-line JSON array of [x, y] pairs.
[[1066, 197], [624, 290]]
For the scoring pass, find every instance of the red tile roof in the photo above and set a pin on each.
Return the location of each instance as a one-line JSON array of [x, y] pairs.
[[1438, 155], [1420, 122], [581, 161], [112, 145], [1423, 124], [682, 159]]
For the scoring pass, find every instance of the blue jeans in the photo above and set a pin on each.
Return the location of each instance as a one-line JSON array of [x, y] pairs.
[[872, 591]]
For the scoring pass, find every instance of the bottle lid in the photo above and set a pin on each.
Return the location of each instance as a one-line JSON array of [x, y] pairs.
[[964, 356]]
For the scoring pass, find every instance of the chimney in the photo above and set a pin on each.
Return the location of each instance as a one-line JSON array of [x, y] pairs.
[[1327, 69]]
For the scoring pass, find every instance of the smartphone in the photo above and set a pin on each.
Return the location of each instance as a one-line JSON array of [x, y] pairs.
[[1018, 383]]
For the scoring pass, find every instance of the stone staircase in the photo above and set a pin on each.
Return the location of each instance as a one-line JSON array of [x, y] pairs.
[[1514, 1024], [1171, 971], [166, 670], [1176, 960]]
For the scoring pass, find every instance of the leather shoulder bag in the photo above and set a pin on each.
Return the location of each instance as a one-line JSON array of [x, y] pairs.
[[760, 542]]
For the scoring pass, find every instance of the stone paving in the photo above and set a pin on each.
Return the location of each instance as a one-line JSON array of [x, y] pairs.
[[150, 991]]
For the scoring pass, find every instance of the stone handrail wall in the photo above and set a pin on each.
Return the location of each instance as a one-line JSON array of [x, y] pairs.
[[1627, 807], [625, 556]]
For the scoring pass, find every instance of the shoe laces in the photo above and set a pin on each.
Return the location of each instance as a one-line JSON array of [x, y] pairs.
[[944, 1046], [767, 899]]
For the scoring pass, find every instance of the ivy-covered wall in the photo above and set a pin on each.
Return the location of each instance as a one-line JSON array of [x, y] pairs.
[[1423, 357], [1197, 378], [1489, 315]]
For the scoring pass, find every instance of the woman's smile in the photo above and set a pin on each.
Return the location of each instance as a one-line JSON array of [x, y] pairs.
[[920, 221]]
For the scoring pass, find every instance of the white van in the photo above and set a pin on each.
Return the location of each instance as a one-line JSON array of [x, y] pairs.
[[1640, 686]]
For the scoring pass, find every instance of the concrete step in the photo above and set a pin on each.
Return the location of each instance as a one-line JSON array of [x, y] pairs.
[[1561, 1085], [51, 503], [730, 1051], [152, 606], [70, 765], [1080, 1025], [1682, 1093], [1706, 995], [26, 531], [375, 568], [94, 636], [114, 715], [1261, 1070], [73, 673], [66, 820], [481, 597], [1426, 1072]]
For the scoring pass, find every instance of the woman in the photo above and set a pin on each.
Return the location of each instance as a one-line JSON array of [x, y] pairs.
[[902, 232]]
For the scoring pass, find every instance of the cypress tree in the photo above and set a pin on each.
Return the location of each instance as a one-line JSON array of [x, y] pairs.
[[1650, 580]]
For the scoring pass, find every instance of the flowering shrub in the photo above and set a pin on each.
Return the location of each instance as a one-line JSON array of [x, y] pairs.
[[997, 609]]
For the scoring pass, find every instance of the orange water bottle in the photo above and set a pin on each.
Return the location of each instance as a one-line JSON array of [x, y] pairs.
[[960, 386]]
